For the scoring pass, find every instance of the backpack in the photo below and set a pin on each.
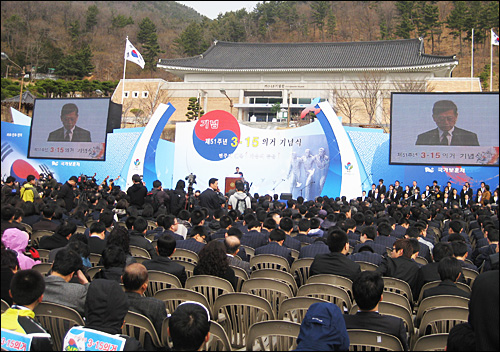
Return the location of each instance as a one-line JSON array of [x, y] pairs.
[[241, 205], [152, 199]]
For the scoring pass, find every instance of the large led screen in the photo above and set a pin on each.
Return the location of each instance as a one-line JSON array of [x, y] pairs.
[[444, 129], [71, 128]]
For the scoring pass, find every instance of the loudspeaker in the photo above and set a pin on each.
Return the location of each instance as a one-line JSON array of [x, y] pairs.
[[286, 196]]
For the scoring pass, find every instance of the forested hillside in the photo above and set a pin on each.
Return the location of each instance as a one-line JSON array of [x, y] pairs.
[[77, 39]]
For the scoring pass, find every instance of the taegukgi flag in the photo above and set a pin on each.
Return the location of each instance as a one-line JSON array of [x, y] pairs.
[[494, 38], [132, 54]]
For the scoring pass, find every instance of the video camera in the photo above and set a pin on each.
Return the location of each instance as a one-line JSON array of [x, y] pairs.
[[191, 179]]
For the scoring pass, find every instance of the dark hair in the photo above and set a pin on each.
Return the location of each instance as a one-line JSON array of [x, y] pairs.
[[119, 237], [415, 245], [188, 326], [48, 210], [240, 186], [113, 256], [384, 229], [493, 235], [30, 178], [459, 248], [337, 239], [212, 181], [9, 258], [269, 223], [456, 226], [304, 224], [198, 230], [449, 268], [443, 106], [367, 289], [213, 259], [134, 276], [166, 245], [370, 232], [66, 261], [156, 183], [441, 250], [234, 231], [68, 108], [413, 232], [197, 216], [107, 218], [97, 227], [26, 287], [277, 235], [286, 224], [405, 245], [140, 224]]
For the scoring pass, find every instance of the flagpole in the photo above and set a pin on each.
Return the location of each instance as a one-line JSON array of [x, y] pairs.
[[124, 68], [472, 62], [491, 58]]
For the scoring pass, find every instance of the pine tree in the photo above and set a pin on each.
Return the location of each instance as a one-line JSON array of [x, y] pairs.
[[149, 39], [91, 21], [194, 109], [456, 20]]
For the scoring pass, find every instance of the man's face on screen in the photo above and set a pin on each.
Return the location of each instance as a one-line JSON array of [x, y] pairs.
[[69, 120], [446, 120]]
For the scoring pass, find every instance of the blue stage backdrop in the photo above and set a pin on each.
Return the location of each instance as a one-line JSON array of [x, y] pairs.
[[356, 157]]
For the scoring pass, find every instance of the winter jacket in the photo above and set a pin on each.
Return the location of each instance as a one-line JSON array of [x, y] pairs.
[[17, 240]]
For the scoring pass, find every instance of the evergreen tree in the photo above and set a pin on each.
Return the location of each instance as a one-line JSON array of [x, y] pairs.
[[149, 39], [191, 41], [456, 20], [194, 109], [407, 14], [91, 21], [319, 14]]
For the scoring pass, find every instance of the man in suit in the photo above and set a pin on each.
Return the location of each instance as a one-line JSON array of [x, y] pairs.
[[165, 247], [70, 132], [368, 290], [232, 244], [319, 246], [195, 240], [449, 270], [135, 282], [381, 187], [275, 246], [445, 114], [335, 262]]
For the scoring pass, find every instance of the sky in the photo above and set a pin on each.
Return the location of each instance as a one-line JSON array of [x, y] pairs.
[[211, 9]]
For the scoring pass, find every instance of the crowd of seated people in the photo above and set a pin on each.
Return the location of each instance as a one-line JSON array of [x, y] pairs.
[[409, 235]]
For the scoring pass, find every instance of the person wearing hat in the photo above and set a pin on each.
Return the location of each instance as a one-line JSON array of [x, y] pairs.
[[445, 115], [70, 132], [323, 329], [67, 194]]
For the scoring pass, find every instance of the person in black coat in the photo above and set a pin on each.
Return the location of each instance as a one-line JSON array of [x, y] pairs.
[[137, 192], [449, 270], [211, 198], [367, 289], [165, 247], [335, 262], [66, 193], [275, 246]]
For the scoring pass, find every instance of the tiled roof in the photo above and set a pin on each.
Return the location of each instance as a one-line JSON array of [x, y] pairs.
[[310, 56]]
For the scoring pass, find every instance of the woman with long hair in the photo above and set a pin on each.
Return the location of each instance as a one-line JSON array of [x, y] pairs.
[[213, 261]]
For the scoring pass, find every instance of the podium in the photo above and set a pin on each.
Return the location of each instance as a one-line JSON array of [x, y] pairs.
[[231, 183]]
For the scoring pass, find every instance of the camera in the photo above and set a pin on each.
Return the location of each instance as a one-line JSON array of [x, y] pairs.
[[191, 179]]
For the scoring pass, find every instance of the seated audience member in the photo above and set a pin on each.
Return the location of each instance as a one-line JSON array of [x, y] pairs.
[[105, 309], [323, 329], [482, 254], [135, 281], [367, 238], [460, 252], [10, 266], [225, 222], [319, 246], [170, 224], [424, 251], [232, 244], [384, 235], [119, 237], [449, 270], [26, 289], [286, 224], [137, 236], [79, 243], [254, 237], [461, 338], [275, 246], [367, 289], [114, 260], [17, 241], [60, 238], [366, 254], [196, 239], [189, 327], [304, 226], [46, 223], [59, 289], [165, 247], [400, 265], [97, 240], [335, 262], [214, 261]]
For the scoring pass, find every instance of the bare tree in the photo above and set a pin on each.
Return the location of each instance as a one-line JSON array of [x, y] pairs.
[[369, 90], [408, 85], [155, 95], [345, 104]]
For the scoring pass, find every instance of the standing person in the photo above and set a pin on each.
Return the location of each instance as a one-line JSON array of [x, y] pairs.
[[211, 198], [445, 115], [70, 132], [67, 193], [26, 288], [238, 172], [381, 187], [28, 190], [162, 198], [178, 198], [137, 192], [240, 200]]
